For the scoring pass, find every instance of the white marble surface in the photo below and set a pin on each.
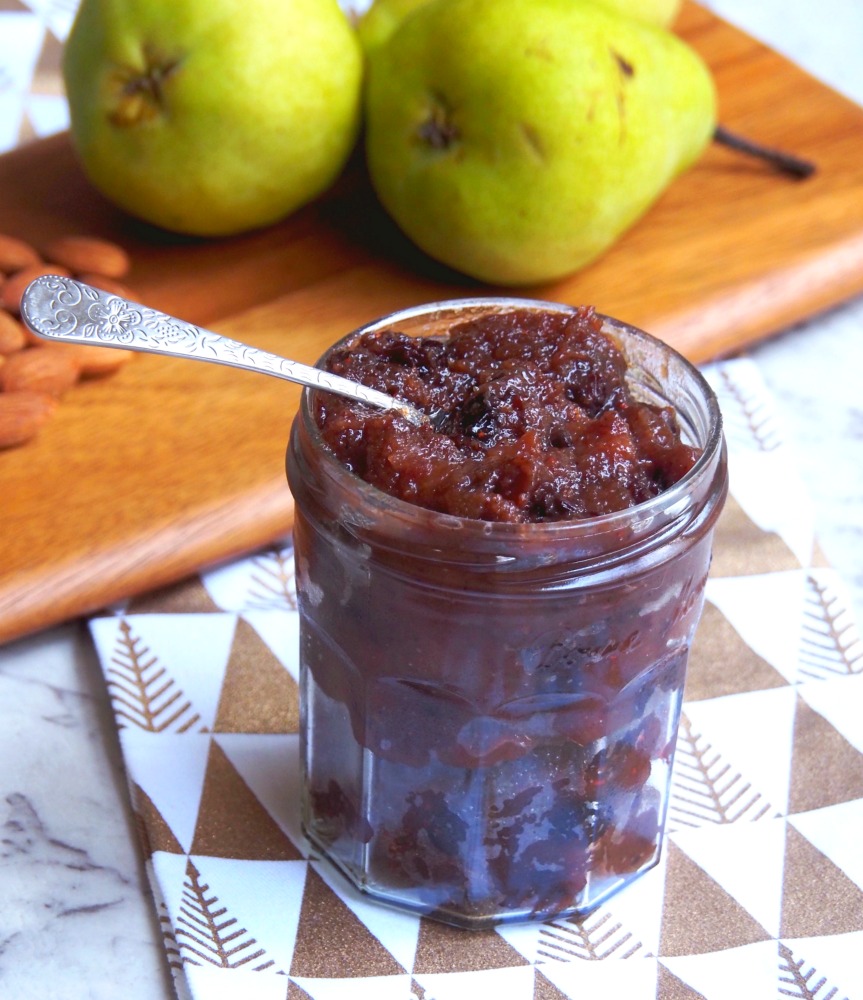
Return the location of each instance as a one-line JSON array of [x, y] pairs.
[[75, 915], [75, 918]]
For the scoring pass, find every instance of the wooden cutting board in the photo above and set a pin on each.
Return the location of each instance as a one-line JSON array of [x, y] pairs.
[[170, 466]]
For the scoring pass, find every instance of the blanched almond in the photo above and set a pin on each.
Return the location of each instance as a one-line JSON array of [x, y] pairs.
[[22, 416], [12, 291], [15, 254], [88, 254], [13, 336], [39, 369]]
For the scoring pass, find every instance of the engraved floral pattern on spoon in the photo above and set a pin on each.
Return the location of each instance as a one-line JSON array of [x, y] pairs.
[[62, 308]]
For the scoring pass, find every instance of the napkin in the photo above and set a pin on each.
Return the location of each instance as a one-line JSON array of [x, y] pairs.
[[759, 892]]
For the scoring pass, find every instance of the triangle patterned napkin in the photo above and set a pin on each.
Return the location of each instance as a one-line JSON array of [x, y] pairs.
[[760, 888]]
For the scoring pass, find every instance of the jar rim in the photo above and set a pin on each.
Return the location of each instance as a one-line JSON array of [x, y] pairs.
[[675, 499]]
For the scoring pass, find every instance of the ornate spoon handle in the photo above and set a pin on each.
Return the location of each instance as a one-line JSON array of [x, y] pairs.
[[63, 309]]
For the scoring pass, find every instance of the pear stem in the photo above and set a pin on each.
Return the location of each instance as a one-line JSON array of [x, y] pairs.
[[786, 163]]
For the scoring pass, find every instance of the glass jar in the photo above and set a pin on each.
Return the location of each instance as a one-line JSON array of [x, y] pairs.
[[489, 710]]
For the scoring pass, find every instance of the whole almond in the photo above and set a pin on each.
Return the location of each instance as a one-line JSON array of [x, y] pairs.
[[15, 254], [22, 416], [39, 369], [13, 336], [12, 291], [88, 254], [92, 360]]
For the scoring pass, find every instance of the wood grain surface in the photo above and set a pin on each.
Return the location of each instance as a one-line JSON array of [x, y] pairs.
[[142, 478]]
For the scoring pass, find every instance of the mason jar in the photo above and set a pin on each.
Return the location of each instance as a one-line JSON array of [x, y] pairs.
[[489, 710]]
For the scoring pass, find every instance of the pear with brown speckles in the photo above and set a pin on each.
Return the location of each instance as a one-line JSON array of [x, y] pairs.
[[516, 140], [383, 17], [212, 117]]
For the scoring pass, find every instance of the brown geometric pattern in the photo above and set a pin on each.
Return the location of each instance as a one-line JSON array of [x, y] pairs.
[[759, 892]]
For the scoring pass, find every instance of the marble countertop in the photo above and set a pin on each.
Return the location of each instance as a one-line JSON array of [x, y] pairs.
[[76, 919]]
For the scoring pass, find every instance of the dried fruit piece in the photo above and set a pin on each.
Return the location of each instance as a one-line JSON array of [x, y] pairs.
[[15, 254], [14, 288], [22, 415], [39, 369], [13, 336], [89, 254]]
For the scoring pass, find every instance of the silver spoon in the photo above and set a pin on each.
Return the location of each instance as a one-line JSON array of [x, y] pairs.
[[63, 309]]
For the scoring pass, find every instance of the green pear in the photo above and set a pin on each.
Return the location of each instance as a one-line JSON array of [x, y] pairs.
[[381, 20], [383, 17], [211, 117], [516, 140], [660, 12]]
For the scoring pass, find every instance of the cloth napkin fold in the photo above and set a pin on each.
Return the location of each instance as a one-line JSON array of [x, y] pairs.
[[759, 892]]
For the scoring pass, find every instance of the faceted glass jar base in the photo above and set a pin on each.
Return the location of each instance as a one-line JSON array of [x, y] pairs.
[[551, 832]]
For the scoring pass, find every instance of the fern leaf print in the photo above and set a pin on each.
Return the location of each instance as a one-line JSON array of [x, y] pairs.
[[707, 790], [590, 938], [142, 692], [272, 584], [793, 982], [830, 643], [206, 933], [749, 417], [169, 939]]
